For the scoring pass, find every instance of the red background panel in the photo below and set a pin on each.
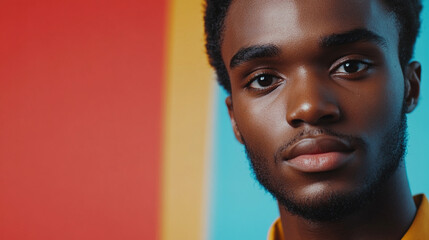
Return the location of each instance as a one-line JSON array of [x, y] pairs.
[[80, 118]]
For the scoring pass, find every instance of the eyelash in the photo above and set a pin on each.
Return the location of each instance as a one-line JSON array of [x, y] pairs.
[[341, 64], [256, 77]]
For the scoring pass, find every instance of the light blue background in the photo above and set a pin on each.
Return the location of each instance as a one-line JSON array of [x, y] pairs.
[[241, 209]]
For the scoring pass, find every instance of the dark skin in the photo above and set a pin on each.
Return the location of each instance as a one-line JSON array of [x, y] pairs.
[[302, 66]]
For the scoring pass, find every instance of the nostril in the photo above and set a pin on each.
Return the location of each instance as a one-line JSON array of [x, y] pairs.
[[296, 122], [327, 118]]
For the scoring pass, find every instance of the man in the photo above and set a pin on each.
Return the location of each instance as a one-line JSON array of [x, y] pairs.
[[319, 92]]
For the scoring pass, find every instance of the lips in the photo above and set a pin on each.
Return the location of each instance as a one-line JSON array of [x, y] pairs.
[[318, 154]]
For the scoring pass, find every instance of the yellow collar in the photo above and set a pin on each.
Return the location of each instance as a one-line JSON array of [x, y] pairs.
[[419, 229]]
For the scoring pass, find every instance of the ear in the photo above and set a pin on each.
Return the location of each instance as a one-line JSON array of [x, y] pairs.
[[237, 133], [412, 85]]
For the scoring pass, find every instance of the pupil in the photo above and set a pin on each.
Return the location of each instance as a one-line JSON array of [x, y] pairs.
[[265, 81], [351, 67]]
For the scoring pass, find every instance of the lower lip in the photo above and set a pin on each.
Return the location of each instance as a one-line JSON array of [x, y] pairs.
[[319, 162]]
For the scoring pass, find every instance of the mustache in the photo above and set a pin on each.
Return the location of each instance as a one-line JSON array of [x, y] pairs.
[[306, 133]]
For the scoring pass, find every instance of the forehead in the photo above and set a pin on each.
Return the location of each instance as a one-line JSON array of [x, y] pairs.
[[286, 22]]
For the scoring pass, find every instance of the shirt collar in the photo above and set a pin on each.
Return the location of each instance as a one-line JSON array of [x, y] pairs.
[[419, 229]]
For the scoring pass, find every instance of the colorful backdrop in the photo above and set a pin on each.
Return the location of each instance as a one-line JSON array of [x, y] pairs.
[[112, 127]]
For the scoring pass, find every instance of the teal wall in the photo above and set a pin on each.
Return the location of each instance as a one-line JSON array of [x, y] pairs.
[[241, 209], [418, 145]]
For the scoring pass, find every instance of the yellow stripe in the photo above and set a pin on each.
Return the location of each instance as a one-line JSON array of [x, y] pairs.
[[188, 92]]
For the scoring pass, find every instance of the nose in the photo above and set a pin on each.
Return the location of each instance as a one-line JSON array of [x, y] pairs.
[[312, 102]]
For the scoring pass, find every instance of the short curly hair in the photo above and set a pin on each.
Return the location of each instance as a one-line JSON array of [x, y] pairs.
[[407, 15]]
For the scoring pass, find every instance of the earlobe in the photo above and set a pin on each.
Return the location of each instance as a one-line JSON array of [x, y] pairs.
[[237, 133], [412, 85]]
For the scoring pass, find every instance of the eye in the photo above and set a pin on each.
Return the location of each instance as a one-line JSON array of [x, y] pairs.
[[263, 81], [352, 66]]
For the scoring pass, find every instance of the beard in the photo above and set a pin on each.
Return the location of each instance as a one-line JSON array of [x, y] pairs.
[[333, 206]]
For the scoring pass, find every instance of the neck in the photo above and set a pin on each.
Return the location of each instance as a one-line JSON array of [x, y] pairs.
[[388, 216]]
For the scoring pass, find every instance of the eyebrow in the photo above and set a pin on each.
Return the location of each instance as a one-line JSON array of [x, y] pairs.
[[338, 39], [353, 36], [254, 52]]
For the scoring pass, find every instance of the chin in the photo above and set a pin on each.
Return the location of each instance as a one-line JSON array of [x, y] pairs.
[[325, 205]]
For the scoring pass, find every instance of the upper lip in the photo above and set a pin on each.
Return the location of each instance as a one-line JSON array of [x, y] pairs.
[[317, 145]]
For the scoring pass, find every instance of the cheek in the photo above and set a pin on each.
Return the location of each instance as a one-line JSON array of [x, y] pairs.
[[261, 123], [377, 107]]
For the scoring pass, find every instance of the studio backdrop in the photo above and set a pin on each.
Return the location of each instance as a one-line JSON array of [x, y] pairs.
[[112, 126]]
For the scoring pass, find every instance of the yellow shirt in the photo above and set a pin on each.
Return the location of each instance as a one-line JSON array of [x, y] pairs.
[[419, 229]]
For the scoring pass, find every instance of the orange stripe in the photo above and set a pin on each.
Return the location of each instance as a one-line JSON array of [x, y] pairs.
[[187, 107]]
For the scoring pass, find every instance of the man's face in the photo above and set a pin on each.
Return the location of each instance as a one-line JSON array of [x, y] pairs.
[[317, 97]]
